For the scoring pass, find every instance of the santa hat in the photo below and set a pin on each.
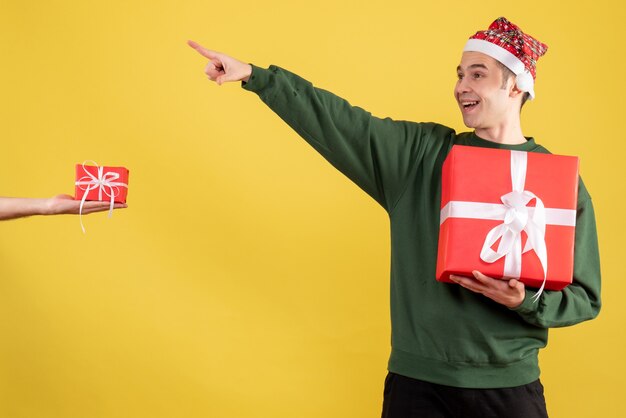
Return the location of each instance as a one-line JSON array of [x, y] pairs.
[[518, 51]]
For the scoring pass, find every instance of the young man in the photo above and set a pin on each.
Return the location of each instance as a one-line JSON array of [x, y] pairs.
[[457, 351], [16, 207]]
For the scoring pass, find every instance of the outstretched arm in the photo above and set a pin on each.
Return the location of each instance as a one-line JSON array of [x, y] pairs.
[[379, 155], [15, 207]]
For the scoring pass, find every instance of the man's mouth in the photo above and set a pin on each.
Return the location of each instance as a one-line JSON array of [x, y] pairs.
[[467, 105]]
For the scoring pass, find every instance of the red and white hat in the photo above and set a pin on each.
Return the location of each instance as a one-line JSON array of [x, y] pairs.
[[518, 51]]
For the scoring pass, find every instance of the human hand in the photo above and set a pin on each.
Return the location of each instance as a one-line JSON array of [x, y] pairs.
[[221, 67], [65, 204], [509, 293]]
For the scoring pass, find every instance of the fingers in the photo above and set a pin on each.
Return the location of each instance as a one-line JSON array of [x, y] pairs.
[[73, 207], [224, 79], [223, 76], [513, 283], [100, 208], [222, 68], [101, 204], [213, 70], [87, 211], [468, 283], [227, 77], [207, 53], [479, 283], [486, 280], [509, 292]]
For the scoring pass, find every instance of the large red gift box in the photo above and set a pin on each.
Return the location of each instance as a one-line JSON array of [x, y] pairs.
[[496, 206], [101, 182]]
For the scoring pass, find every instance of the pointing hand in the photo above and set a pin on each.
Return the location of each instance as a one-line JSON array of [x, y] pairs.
[[222, 68]]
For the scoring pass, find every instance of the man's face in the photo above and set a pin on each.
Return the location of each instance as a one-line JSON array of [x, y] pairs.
[[484, 103]]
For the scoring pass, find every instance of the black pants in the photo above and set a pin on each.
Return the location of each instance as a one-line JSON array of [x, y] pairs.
[[410, 398]]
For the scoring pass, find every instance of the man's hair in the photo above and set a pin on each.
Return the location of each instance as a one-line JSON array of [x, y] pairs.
[[506, 74]]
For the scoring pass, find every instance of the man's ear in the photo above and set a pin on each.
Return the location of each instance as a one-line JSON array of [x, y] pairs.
[[514, 91]]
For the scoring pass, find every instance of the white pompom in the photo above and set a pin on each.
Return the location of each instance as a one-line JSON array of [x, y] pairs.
[[525, 81]]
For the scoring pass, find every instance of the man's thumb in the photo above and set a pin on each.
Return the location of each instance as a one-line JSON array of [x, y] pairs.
[[225, 78]]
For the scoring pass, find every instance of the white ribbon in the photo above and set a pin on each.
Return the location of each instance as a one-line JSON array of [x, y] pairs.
[[101, 182], [517, 216]]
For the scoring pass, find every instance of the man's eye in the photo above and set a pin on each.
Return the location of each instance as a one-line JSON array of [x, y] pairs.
[[477, 75], [460, 76]]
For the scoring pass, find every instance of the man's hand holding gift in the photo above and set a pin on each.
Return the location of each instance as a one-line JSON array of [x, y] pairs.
[[509, 293]]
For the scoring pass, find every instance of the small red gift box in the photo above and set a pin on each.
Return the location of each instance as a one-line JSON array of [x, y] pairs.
[[101, 183], [508, 214]]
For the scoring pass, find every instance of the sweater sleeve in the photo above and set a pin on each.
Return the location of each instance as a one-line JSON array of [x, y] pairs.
[[580, 301], [377, 154]]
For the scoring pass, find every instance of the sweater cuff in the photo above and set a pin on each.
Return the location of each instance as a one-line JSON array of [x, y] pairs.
[[528, 305], [257, 80]]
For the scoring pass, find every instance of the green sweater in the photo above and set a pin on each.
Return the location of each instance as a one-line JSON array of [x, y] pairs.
[[441, 333]]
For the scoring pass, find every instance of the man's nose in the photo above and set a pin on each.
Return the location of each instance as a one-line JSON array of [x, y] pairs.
[[462, 86]]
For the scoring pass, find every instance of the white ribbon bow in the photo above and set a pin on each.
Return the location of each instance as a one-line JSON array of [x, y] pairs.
[[101, 182], [516, 216]]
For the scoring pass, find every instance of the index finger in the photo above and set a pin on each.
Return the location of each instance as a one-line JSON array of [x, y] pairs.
[[207, 53]]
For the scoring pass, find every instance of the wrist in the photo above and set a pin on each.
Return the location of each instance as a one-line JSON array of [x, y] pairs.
[[42, 207], [515, 304], [527, 305], [247, 73]]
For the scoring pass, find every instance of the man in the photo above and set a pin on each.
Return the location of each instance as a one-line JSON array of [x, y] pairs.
[[14, 207], [457, 351]]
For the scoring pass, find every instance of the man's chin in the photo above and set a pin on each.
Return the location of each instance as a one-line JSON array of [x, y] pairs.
[[470, 123]]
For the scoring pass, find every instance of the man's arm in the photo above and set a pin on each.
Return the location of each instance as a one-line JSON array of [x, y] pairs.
[[15, 207], [377, 154], [580, 301]]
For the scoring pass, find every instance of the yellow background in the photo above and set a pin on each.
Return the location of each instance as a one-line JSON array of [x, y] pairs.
[[248, 278]]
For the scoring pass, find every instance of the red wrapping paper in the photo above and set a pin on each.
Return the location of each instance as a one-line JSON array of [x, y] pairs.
[[475, 174], [101, 193]]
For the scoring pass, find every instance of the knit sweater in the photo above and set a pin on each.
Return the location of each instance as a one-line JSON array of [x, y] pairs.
[[441, 333]]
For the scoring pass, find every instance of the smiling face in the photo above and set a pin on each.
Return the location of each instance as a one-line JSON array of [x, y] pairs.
[[484, 97]]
